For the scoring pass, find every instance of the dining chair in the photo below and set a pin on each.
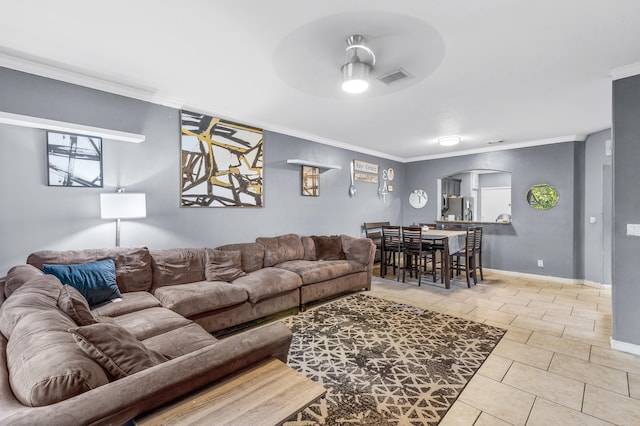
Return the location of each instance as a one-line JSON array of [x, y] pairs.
[[412, 252], [432, 248], [477, 255], [466, 254], [373, 230], [390, 249]]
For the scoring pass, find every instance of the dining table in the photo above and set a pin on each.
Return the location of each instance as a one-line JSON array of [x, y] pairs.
[[451, 243]]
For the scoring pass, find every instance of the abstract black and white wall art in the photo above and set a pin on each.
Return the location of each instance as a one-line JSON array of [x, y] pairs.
[[74, 160], [222, 163]]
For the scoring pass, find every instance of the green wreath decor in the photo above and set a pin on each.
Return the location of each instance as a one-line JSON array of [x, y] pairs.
[[542, 196]]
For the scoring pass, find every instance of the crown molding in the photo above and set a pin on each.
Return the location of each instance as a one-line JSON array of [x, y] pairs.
[[626, 71], [516, 145]]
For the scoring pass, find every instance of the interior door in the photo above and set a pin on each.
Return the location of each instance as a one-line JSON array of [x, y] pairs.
[[495, 201]]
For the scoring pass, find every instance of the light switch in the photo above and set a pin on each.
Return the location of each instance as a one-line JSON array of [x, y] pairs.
[[593, 219]]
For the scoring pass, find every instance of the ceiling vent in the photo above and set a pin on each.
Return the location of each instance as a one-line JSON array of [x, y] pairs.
[[394, 76]]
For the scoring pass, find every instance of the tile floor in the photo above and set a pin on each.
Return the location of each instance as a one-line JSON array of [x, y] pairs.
[[554, 366]]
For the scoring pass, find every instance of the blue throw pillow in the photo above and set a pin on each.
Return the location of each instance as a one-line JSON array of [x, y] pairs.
[[96, 281]]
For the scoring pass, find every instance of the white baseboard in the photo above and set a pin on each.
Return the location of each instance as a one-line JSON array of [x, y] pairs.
[[625, 347], [548, 278]]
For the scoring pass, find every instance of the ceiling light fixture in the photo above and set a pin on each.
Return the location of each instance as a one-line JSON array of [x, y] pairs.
[[360, 61], [449, 140]]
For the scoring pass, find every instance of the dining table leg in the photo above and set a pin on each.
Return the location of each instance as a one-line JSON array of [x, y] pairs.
[[445, 263]]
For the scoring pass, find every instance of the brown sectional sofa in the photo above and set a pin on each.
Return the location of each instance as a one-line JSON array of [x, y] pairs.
[[166, 315]]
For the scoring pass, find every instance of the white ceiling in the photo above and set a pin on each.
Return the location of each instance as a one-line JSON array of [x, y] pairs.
[[525, 71]]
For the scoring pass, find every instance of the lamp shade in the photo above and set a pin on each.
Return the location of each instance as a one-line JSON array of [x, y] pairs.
[[121, 205]]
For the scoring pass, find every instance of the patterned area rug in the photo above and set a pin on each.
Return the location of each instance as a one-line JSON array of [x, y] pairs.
[[385, 363]]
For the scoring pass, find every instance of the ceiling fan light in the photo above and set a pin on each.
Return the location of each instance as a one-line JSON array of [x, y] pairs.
[[355, 77], [449, 140]]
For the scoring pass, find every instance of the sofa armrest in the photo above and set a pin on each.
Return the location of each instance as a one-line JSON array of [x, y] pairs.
[[362, 250], [124, 399]]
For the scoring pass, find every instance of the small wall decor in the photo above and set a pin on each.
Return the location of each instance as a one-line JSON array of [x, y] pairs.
[[310, 181], [222, 163], [365, 171], [74, 160], [542, 196], [418, 198]]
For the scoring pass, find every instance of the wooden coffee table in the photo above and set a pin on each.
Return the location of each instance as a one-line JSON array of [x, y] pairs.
[[266, 394]]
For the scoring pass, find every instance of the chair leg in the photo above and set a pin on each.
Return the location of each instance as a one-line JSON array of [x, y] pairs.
[[480, 265]]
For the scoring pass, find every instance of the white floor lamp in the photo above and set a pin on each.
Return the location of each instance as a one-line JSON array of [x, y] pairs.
[[121, 205]]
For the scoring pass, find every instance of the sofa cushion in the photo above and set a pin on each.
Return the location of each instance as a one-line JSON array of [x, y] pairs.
[[36, 295], [281, 249], [96, 281], [328, 248], [19, 275], [358, 249], [196, 298], [133, 264], [268, 282], [309, 248], [72, 303], [117, 350], [252, 255], [180, 341], [177, 266], [223, 265], [130, 302], [321, 270], [150, 322], [45, 364]]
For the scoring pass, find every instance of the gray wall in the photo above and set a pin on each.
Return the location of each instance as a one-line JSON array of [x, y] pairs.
[[546, 235], [35, 216], [626, 209]]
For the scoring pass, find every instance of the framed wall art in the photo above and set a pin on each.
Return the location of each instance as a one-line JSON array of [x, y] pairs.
[[222, 163], [310, 181], [74, 160], [365, 171]]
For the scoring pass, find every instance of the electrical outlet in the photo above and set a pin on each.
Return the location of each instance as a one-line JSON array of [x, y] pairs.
[[540, 264]]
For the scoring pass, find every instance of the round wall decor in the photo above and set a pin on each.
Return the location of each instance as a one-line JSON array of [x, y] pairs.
[[418, 198]]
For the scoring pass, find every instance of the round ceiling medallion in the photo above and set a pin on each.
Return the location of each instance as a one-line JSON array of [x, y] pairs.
[[310, 58]]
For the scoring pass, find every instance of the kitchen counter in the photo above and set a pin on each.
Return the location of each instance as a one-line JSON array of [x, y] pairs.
[[472, 222]]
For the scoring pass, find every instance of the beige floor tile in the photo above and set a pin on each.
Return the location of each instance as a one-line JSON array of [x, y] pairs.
[[515, 334], [497, 399], [605, 308], [488, 420], [452, 307], [611, 406], [525, 354], [550, 307], [590, 314], [547, 413], [634, 385], [566, 294], [460, 414], [615, 359], [588, 372], [596, 298], [522, 310], [495, 367], [595, 338], [536, 297], [512, 300], [491, 315], [558, 344], [555, 318], [552, 387], [483, 303], [574, 303], [538, 325]]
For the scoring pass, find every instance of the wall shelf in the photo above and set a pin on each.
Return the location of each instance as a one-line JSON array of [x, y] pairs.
[[64, 127], [322, 166]]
